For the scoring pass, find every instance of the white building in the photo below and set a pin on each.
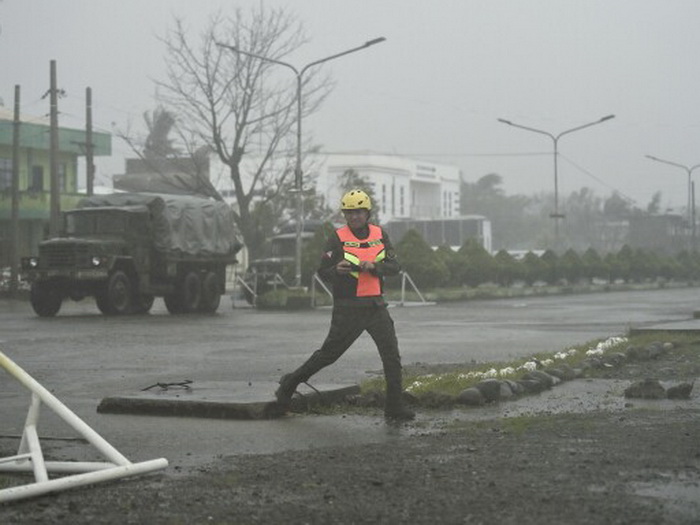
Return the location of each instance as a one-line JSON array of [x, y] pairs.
[[403, 187], [408, 193]]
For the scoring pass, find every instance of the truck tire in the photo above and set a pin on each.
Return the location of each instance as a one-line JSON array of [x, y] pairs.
[[211, 295], [188, 296], [173, 302], [116, 299], [103, 303], [46, 300], [142, 303], [191, 292]]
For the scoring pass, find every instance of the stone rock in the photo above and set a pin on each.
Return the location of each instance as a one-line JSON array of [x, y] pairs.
[[579, 372], [471, 396], [515, 387], [680, 391], [655, 349], [616, 358], [637, 353], [646, 389], [490, 389], [532, 386], [562, 371], [593, 362], [543, 377], [506, 391]]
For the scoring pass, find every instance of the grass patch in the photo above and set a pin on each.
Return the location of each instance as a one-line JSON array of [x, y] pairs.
[[460, 378]]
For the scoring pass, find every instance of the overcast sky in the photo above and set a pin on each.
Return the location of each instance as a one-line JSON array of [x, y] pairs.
[[435, 89]]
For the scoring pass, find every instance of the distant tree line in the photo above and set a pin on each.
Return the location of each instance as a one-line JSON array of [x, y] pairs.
[[471, 265], [521, 222]]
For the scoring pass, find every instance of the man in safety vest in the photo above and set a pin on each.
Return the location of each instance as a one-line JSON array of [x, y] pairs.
[[355, 261]]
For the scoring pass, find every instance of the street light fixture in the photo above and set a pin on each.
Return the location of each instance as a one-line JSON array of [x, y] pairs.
[[555, 139], [298, 174], [691, 208]]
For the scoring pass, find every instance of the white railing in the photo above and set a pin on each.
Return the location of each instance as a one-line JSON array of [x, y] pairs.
[[30, 458], [405, 277]]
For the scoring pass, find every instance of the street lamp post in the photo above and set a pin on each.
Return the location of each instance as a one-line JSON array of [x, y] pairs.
[[555, 139], [298, 174], [691, 208]]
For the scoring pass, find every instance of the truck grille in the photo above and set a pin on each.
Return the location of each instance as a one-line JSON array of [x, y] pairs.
[[64, 255]]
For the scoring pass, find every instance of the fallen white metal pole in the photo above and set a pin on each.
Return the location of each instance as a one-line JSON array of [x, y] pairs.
[[78, 480], [63, 412], [56, 467], [30, 457]]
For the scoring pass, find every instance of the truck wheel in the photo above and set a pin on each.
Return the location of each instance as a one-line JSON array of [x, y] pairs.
[[191, 292], [143, 303], [102, 302], [117, 299], [173, 302], [211, 296], [46, 300]]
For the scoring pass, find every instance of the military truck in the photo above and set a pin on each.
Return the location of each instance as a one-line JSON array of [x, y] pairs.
[[125, 249], [277, 267]]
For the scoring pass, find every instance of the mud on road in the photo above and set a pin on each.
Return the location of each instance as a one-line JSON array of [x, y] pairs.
[[618, 461]]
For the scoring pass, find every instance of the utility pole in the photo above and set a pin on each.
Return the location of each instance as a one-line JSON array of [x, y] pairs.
[[55, 212], [692, 215], [89, 147], [14, 237]]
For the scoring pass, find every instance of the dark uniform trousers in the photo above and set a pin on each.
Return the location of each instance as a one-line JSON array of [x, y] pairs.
[[347, 324]]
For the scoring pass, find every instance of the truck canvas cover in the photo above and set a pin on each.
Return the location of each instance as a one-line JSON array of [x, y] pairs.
[[181, 224]]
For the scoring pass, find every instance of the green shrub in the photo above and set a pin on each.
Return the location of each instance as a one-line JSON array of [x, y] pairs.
[[417, 258], [284, 299]]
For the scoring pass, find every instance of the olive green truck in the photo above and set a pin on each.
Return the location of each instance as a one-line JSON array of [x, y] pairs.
[[126, 249]]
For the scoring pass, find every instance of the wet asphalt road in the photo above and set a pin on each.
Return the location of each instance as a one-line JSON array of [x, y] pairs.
[[83, 357]]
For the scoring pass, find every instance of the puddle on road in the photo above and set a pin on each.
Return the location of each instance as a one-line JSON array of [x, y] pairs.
[[687, 491]]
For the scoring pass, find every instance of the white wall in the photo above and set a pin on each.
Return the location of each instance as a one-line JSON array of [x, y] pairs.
[[403, 187]]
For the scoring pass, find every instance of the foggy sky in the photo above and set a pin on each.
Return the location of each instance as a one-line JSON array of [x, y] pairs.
[[434, 89]]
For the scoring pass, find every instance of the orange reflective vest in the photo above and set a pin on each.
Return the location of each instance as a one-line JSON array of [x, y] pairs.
[[355, 251]]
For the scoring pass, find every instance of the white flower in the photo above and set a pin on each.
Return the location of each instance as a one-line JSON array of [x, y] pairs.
[[565, 353], [506, 371], [605, 345], [529, 366], [547, 362], [490, 373], [415, 385]]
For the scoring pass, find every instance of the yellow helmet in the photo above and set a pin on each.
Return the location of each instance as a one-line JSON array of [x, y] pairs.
[[355, 200]]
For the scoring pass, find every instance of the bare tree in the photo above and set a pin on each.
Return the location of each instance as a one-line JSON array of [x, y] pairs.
[[237, 104]]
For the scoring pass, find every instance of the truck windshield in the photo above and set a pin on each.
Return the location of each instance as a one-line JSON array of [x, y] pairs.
[[283, 247], [89, 223]]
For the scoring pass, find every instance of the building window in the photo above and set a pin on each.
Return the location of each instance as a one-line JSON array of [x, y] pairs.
[[384, 197], [37, 181], [62, 179], [401, 200], [5, 174]]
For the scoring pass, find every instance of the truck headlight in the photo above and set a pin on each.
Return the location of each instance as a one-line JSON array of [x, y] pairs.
[[96, 261], [29, 263]]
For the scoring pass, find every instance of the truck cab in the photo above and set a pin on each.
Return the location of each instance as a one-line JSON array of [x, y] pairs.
[[126, 251]]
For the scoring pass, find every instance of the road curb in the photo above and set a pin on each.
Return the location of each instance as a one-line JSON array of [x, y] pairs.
[[155, 405]]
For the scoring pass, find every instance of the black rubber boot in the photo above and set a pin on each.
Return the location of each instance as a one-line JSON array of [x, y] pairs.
[[394, 407], [288, 385]]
